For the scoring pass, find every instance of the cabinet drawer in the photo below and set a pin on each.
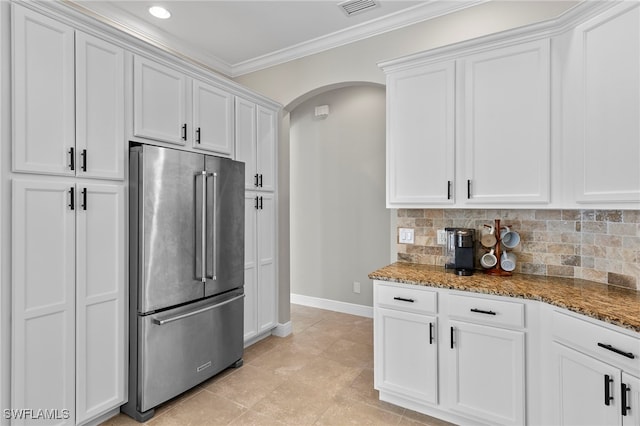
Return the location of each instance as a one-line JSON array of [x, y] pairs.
[[598, 341], [406, 299], [486, 311]]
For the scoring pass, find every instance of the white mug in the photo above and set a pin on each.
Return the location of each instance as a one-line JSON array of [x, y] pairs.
[[489, 260], [488, 239], [509, 238], [508, 261]]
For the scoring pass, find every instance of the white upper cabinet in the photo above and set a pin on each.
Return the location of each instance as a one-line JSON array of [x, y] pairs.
[[212, 118], [68, 112], [474, 130], [255, 129], [602, 129], [421, 135], [505, 131], [171, 107], [159, 102], [43, 94], [99, 108]]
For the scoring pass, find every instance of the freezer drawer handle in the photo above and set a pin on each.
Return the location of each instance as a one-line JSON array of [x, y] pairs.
[[616, 350], [192, 313]]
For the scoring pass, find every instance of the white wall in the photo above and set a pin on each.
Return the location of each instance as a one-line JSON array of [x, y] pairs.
[[339, 223]]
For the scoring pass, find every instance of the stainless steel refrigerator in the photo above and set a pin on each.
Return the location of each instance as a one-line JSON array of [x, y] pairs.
[[186, 272]]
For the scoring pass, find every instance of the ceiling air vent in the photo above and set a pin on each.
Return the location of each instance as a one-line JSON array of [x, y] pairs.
[[353, 7]]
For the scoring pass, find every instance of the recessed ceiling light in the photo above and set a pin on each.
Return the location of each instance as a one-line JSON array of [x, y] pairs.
[[159, 12]]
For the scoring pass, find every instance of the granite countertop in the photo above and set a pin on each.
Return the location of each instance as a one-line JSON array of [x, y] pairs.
[[615, 305]]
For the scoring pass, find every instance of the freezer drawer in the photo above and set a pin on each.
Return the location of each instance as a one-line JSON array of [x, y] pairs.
[[182, 347]]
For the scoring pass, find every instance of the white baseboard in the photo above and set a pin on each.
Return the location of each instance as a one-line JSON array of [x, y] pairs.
[[283, 330], [332, 305]]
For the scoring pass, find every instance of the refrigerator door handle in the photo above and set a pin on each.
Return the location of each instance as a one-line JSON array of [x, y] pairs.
[[214, 229], [201, 227], [184, 315]]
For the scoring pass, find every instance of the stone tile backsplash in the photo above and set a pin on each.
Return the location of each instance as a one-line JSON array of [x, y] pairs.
[[596, 245]]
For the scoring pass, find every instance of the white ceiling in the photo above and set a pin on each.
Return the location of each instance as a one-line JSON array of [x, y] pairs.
[[240, 36]]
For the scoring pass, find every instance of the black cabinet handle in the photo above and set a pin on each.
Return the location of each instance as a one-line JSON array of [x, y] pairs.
[[623, 396], [72, 159], [607, 390], [402, 299], [84, 198], [184, 132], [198, 135], [618, 351], [72, 198], [83, 154], [468, 188], [448, 190], [480, 311], [431, 333], [256, 205], [261, 199], [260, 180], [255, 180], [451, 337]]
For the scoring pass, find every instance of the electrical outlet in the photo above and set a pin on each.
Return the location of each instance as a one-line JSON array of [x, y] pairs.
[[442, 237], [356, 287], [405, 235]]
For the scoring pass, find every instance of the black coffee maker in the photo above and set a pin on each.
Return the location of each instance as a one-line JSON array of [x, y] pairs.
[[459, 250]]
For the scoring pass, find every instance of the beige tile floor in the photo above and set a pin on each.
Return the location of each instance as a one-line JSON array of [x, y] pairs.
[[322, 374]]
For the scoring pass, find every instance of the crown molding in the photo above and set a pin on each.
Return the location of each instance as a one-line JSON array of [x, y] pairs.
[[419, 13], [128, 24], [549, 28]]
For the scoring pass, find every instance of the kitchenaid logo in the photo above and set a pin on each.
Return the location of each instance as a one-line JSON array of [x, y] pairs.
[[36, 414]]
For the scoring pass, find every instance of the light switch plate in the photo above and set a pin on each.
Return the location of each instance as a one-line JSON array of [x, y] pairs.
[[442, 237], [405, 235]]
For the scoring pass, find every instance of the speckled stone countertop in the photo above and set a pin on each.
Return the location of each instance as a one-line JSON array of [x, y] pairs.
[[615, 305]]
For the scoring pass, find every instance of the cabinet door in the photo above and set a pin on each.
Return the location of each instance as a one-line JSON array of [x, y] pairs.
[[245, 126], [212, 118], [603, 109], [421, 136], [266, 148], [101, 342], [43, 94], [159, 102], [43, 313], [582, 389], [486, 370], [631, 412], [505, 125], [406, 354], [250, 266], [99, 108], [267, 290]]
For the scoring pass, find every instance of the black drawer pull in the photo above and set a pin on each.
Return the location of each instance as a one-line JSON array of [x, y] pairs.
[[402, 299], [448, 190], [618, 351], [480, 311], [468, 189], [607, 390], [623, 396], [431, 333]]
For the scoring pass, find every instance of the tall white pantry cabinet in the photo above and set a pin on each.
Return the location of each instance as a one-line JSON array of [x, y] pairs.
[[68, 232]]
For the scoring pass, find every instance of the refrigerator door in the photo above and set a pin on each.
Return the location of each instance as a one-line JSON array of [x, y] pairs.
[[184, 346], [166, 211], [225, 225]]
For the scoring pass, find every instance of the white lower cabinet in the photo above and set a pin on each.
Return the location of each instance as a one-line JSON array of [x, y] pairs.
[[260, 304], [486, 372], [596, 374], [68, 299], [407, 354]]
